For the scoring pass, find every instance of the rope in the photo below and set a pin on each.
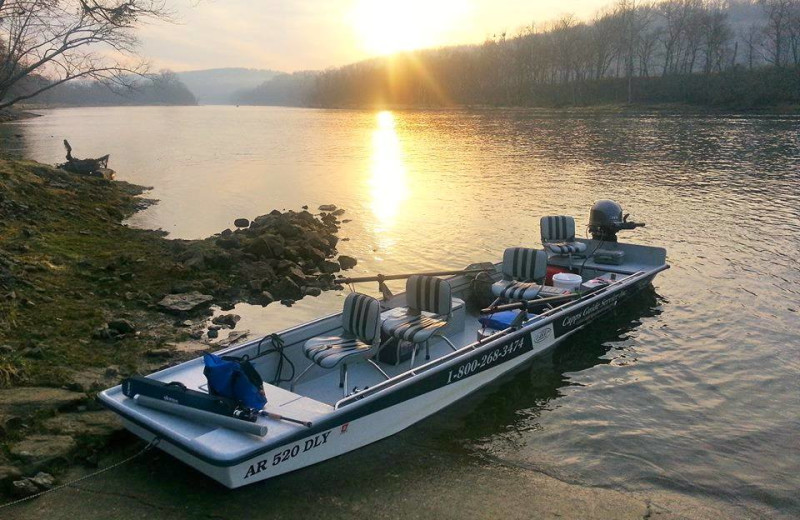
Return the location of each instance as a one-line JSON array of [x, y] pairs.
[[144, 450], [277, 348]]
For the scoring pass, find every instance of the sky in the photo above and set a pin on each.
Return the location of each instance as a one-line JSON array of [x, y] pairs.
[[291, 35]]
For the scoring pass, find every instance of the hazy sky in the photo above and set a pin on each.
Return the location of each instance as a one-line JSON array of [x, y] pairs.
[[294, 35]]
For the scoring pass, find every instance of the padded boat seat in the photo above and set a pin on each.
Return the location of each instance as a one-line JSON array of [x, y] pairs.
[[511, 290], [360, 337], [523, 271], [430, 304], [558, 235], [329, 351], [415, 328]]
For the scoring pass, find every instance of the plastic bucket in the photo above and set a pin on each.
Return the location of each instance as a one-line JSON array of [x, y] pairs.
[[567, 281]]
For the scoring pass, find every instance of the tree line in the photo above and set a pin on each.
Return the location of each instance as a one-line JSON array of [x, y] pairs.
[[164, 88], [736, 52]]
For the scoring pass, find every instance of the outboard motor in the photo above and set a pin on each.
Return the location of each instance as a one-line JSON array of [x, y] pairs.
[[606, 219]]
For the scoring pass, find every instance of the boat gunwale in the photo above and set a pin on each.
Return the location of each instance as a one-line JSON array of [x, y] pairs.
[[539, 321]]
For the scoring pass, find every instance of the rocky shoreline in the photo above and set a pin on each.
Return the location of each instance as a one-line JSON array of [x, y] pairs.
[[86, 300]]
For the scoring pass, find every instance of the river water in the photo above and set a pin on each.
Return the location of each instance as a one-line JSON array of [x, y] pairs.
[[693, 389]]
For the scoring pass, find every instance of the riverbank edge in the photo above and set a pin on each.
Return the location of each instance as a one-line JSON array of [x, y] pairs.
[[86, 300], [612, 109], [9, 115]]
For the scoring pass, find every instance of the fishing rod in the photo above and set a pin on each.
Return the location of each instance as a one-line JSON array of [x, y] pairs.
[[279, 417], [527, 304], [382, 278], [386, 277]]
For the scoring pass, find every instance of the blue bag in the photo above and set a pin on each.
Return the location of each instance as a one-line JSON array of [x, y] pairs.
[[236, 379]]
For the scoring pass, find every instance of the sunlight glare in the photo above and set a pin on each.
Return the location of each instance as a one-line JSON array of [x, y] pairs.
[[389, 26], [388, 180]]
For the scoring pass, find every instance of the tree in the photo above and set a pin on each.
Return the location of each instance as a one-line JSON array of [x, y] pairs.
[[779, 18], [44, 43]]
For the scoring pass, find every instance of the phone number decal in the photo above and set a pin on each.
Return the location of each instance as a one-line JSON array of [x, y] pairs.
[[489, 359]]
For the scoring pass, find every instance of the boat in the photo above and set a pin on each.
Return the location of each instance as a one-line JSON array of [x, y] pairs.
[[340, 382]]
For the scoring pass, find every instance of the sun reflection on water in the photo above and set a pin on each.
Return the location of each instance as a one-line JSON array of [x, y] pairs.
[[388, 181]]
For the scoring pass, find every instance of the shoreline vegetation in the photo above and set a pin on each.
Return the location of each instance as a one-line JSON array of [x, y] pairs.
[[86, 300], [740, 54]]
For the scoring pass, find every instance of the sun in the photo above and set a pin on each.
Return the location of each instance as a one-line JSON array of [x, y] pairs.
[[389, 26]]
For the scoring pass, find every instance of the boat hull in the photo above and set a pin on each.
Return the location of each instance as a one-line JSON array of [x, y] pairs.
[[362, 421]]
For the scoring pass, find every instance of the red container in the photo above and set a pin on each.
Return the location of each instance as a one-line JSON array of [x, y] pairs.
[[552, 270]]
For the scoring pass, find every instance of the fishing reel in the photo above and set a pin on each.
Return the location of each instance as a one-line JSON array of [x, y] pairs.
[[606, 220]]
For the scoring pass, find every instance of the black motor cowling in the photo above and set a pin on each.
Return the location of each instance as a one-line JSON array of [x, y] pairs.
[[606, 219]]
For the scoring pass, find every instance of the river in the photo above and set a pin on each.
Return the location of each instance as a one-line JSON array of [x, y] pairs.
[[693, 390]]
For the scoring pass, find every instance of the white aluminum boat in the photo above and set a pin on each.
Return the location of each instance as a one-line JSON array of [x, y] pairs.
[[351, 393]]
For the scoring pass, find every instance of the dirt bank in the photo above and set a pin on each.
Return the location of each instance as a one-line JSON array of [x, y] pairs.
[[86, 300]]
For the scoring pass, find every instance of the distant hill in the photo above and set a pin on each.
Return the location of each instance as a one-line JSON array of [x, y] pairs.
[[216, 86]]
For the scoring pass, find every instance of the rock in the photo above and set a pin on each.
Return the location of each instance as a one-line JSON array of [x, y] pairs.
[[184, 302], [23, 488], [43, 481], [230, 242], [287, 302], [241, 223], [6, 349], [265, 247], [315, 255], [39, 451], [330, 267], [111, 371], [97, 425], [305, 207], [121, 326], [196, 262], [327, 207], [347, 262], [234, 336], [229, 320], [286, 288], [265, 298], [287, 229], [297, 275], [312, 291], [183, 323], [104, 333], [25, 400], [212, 333], [332, 240], [214, 327], [104, 173], [338, 213]]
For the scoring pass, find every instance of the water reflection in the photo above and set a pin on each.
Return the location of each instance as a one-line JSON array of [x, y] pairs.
[[388, 182]]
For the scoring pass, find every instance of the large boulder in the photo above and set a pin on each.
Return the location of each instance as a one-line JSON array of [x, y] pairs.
[[347, 262], [286, 288], [185, 302], [92, 425], [40, 451], [26, 400]]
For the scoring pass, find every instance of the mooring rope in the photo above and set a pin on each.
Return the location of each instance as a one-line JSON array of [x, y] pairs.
[[144, 450]]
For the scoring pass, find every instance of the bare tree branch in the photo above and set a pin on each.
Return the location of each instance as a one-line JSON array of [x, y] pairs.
[[45, 43]]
